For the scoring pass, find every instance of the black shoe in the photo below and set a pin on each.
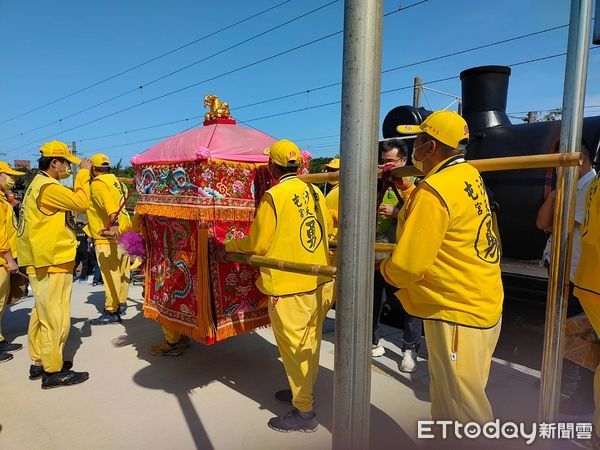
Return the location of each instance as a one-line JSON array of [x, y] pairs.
[[284, 396], [106, 318], [6, 346], [63, 378], [122, 309], [295, 421], [36, 372], [4, 357], [97, 283]]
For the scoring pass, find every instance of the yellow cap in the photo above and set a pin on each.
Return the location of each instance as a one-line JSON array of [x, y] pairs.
[[446, 126], [284, 153], [333, 164], [5, 168], [100, 160], [57, 149]]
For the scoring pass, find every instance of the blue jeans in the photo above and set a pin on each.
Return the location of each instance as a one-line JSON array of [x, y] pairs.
[[413, 326]]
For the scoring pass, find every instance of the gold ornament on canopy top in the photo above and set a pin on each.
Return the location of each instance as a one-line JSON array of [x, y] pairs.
[[216, 108]]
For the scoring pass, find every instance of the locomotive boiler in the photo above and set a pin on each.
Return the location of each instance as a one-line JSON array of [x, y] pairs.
[[519, 193]]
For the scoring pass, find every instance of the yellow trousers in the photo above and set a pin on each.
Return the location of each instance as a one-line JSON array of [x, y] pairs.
[[50, 318], [172, 337], [297, 322], [4, 294], [114, 267], [591, 306], [459, 366]]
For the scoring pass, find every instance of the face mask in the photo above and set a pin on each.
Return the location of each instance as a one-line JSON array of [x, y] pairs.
[[8, 183], [418, 164], [66, 174]]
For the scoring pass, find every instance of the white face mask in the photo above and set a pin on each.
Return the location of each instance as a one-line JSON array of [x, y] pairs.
[[418, 164]]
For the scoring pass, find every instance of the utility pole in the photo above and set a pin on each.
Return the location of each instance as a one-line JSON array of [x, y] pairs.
[[596, 35], [417, 92], [564, 211], [531, 117], [361, 92]]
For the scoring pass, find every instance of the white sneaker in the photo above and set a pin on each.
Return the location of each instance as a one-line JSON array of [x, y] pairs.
[[409, 361], [377, 351]]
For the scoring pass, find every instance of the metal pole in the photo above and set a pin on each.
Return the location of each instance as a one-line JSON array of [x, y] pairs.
[[570, 141], [417, 92], [596, 37], [361, 88]]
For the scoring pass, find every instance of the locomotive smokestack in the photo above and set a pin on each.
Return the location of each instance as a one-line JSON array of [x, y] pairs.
[[484, 94]]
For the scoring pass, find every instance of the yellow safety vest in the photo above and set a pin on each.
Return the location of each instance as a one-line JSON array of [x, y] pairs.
[[333, 203], [97, 216], [300, 236], [464, 285], [44, 238], [586, 276], [11, 228]]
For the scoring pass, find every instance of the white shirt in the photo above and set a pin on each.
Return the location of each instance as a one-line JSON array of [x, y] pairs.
[[582, 186]]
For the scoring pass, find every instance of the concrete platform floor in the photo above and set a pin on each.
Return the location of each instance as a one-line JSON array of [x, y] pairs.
[[218, 397]]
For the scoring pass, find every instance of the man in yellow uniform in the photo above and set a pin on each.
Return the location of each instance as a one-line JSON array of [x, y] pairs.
[[333, 196], [447, 266], [8, 251], [292, 223], [587, 281], [107, 196], [46, 246]]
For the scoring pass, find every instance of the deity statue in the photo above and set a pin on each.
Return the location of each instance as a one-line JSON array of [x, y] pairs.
[[216, 108]]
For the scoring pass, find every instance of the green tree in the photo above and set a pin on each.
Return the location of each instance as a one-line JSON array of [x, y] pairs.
[[316, 164], [553, 114], [120, 171]]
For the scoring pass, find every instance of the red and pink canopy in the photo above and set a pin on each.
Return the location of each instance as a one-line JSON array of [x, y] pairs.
[[225, 141]]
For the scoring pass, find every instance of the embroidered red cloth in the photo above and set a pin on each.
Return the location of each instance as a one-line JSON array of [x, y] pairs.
[[191, 203]]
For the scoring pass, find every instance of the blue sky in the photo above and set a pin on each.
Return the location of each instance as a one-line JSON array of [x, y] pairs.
[[50, 49]]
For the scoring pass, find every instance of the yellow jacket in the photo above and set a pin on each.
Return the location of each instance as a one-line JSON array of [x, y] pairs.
[[8, 230], [46, 235], [447, 260], [292, 223], [333, 203], [587, 278], [107, 195]]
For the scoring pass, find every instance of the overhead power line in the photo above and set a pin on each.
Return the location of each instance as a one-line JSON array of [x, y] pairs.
[[184, 88], [137, 66], [162, 55], [558, 108], [479, 47], [437, 58], [322, 105], [174, 72], [411, 86]]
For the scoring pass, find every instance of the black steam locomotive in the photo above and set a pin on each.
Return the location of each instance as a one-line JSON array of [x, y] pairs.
[[519, 193]]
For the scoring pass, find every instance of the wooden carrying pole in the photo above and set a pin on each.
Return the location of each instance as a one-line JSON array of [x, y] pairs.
[[288, 266], [483, 165], [380, 247], [125, 180]]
